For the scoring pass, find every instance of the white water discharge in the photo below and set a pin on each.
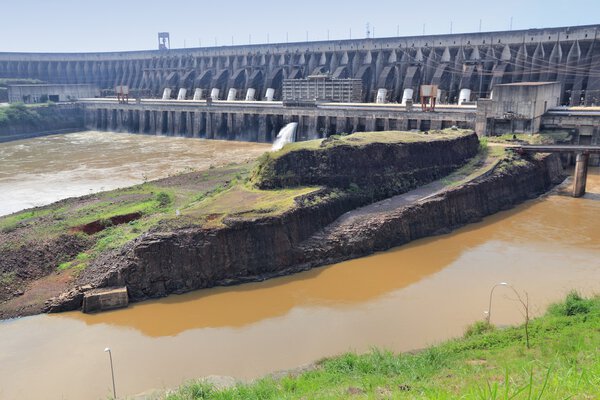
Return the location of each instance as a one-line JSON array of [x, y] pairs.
[[286, 135]]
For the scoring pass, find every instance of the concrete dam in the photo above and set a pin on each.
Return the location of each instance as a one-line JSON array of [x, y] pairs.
[[464, 66]]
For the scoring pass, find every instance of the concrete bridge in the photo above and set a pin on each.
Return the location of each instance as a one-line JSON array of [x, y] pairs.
[[465, 66], [581, 164]]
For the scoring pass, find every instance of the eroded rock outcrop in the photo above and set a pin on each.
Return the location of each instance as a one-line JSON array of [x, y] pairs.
[[160, 263]]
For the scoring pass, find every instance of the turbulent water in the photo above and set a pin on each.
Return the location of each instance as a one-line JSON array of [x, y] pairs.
[[402, 299], [39, 171], [286, 135]]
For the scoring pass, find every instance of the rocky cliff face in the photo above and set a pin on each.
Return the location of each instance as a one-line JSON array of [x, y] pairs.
[[160, 263], [506, 186], [385, 169]]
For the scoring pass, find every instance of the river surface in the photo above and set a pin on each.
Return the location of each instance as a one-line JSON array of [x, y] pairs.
[[40, 171], [403, 299]]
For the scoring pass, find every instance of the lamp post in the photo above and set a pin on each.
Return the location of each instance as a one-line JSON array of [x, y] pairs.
[[524, 304], [112, 372], [489, 311]]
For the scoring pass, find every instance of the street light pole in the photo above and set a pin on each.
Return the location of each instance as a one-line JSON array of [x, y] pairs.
[[112, 371], [489, 311]]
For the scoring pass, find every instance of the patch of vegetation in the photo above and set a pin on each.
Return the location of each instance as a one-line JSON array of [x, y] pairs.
[[7, 278], [510, 161], [38, 117], [365, 138], [10, 222], [562, 363], [79, 263], [479, 328], [573, 305], [545, 137], [243, 200], [164, 199], [64, 266], [193, 199]]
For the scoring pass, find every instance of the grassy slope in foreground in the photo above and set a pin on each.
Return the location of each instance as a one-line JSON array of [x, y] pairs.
[[562, 363]]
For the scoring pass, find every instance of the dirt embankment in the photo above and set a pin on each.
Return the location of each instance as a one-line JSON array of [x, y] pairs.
[[21, 266]]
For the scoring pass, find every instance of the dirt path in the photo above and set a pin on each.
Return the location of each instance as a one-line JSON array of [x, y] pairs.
[[353, 220]]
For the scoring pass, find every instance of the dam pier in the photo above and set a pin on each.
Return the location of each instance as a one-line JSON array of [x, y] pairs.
[[261, 121]]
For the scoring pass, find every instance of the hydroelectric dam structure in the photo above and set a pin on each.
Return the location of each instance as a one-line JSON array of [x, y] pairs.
[[245, 83]]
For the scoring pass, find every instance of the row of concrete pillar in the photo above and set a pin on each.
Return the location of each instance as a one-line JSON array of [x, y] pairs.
[[244, 126]]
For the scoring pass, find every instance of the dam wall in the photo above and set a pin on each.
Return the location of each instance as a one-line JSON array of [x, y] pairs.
[[470, 62], [262, 121]]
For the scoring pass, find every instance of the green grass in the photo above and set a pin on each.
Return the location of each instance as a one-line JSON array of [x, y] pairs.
[[246, 200], [10, 222], [220, 191], [7, 278], [563, 363], [549, 137]]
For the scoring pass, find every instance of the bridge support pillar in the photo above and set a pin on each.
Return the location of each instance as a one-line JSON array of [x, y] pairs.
[[119, 121], [581, 169], [196, 125], [370, 124], [170, 123], [152, 128], [159, 123], [142, 121], [262, 128], [189, 125], [210, 134]]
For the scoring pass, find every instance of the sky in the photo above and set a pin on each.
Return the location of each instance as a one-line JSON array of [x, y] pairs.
[[116, 25]]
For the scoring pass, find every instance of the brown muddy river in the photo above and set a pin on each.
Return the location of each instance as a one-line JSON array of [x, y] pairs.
[[36, 172], [403, 299]]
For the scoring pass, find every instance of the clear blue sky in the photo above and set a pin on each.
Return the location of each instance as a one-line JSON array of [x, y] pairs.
[[111, 25]]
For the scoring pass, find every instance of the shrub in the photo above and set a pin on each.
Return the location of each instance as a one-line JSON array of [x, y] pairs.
[[163, 199], [574, 304], [479, 328]]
